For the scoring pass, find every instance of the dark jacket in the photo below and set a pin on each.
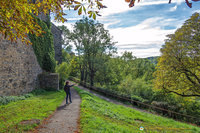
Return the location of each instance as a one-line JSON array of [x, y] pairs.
[[67, 88]]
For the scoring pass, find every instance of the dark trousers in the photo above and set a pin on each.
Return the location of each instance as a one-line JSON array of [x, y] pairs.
[[68, 94]]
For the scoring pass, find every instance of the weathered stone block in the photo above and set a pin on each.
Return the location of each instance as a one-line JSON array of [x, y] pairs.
[[49, 81]]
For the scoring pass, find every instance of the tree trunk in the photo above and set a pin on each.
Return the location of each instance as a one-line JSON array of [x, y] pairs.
[[82, 75], [85, 78], [92, 78]]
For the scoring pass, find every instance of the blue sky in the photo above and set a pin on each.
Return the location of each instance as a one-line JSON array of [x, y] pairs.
[[141, 29]]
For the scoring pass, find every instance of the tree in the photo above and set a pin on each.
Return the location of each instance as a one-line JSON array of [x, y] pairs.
[[92, 42], [178, 69], [65, 40], [16, 16]]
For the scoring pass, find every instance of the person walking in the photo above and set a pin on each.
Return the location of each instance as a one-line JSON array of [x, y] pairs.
[[68, 92]]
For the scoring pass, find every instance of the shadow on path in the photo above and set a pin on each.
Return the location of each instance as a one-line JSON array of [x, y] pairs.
[[61, 107], [66, 117]]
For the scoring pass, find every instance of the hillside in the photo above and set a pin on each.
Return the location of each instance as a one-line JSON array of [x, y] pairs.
[[98, 115]]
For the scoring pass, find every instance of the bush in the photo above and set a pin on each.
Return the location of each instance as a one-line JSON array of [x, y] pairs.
[[63, 70], [7, 99], [137, 87], [38, 91], [138, 98]]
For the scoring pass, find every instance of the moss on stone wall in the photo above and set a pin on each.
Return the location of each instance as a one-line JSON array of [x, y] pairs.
[[43, 46]]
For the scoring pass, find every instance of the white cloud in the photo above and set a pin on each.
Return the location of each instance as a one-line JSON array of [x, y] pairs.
[[68, 25], [119, 6], [173, 8], [198, 11], [146, 33], [178, 2], [142, 53], [143, 33]]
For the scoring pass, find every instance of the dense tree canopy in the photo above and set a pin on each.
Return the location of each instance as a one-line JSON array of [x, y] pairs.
[[178, 69], [93, 43]]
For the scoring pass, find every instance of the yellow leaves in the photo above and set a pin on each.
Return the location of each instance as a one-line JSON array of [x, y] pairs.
[[177, 69], [16, 20], [8, 15], [76, 7], [80, 11], [76, 2], [94, 16]]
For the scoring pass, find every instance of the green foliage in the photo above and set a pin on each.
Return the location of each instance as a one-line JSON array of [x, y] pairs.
[[137, 87], [38, 92], [63, 70], [65, 38], [66, 57], [7, 99], [178, 69], [93, 42], [49, 62], [138, 98], [35, 107], [98, 115], [43, 46]]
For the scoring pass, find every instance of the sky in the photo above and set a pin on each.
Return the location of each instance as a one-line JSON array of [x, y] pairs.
[[141, 29]]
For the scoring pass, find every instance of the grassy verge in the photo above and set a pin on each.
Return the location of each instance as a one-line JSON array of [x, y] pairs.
[[24, 115], [98, 115]]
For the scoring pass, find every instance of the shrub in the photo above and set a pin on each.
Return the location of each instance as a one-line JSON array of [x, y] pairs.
[[38, 91], [63, 70], [7, 99], [137, 87], [138, 98]]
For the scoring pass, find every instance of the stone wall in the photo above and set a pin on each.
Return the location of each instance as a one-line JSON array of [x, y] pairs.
[[49, 81], [57, 38], [18, 68]]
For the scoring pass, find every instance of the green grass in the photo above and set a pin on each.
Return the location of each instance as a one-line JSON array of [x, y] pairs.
[[100, 116], [36, 107]]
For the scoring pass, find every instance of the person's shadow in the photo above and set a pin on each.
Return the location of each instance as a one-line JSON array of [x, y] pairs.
[[62, 107]]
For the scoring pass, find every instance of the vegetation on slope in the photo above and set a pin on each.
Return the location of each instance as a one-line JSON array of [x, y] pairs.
[[35, 108], [43, 46], [98, 115]]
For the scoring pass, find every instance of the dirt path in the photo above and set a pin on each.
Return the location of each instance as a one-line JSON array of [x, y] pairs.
[[65, 119]]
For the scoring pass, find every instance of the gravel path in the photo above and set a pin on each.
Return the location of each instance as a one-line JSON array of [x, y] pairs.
[[65, 119]]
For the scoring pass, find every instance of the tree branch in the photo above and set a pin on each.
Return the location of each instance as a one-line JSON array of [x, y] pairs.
[[183, 95]]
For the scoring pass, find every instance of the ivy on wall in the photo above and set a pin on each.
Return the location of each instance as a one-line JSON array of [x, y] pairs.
[[43, 46]]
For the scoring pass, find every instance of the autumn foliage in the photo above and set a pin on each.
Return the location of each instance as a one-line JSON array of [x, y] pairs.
[[16, 16], [178, 69]]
